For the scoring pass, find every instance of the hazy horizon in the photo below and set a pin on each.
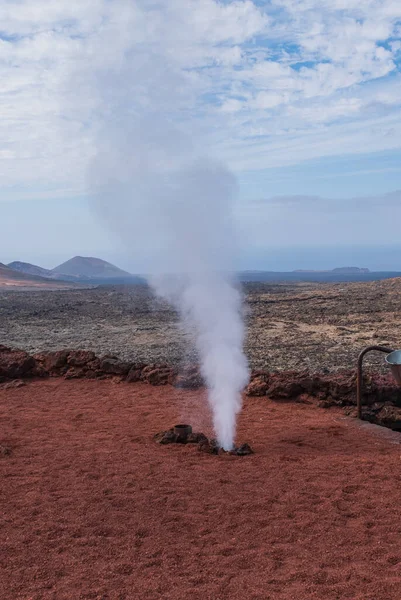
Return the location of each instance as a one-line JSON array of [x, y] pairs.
[[376, 259]]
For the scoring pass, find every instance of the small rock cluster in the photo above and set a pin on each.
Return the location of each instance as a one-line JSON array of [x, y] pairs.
[[334, 389], [379, 413], [212, 447], [204, 444]]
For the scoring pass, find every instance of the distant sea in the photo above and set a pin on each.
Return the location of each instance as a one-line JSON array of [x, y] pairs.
[[273, 277], [315, 276]]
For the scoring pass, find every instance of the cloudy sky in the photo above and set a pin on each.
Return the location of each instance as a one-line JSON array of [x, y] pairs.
[[301, 99]]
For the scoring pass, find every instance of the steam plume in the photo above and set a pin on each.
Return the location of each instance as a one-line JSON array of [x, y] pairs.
[[173, 205]]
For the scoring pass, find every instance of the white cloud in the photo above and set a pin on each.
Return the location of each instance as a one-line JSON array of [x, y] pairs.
[[260, 85]]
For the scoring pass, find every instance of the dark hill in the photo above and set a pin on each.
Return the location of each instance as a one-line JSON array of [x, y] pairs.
[[85, 268], [29, 269], [9, 278]]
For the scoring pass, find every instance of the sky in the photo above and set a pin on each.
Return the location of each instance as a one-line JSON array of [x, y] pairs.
[[300, 99]]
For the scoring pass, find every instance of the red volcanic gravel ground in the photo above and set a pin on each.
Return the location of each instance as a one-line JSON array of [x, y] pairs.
[[93, 508]]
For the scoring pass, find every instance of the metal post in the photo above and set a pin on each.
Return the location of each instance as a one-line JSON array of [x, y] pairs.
[[359, 381]]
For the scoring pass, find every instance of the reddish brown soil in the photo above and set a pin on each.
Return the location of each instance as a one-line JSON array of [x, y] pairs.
[[92, 508]]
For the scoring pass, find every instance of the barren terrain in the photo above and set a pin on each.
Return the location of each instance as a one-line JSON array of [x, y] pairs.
[[318, 327], [93, 508]]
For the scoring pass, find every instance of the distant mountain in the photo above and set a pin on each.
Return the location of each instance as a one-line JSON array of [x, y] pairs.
[[29, 269], [36, 271], [89, 268], [9, 278], [80, 269]]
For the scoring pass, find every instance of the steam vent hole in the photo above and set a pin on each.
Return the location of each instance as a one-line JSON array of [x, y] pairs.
[[183, 434]]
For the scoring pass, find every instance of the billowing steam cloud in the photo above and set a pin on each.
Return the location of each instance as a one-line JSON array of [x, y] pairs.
[[177, 207]]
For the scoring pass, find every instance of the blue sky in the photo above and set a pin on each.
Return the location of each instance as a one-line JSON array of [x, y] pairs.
[[300, 99]]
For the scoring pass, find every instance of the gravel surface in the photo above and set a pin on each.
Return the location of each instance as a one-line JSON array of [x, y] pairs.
[[94, 509], [319, 327]]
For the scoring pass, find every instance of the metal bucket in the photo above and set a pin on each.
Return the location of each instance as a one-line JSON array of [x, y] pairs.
[[182, 432], [394, 360]]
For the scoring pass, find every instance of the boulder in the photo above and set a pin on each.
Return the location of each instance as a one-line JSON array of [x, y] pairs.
[[52, 363], [114, 366], [190, 378], [388, 416], [157, 375], [75, 373], [285, 386], [80, 358], [15, 364], [135, 373], [257, 387], [209, 446]]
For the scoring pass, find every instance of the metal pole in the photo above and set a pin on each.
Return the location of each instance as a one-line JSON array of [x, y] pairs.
[[359, 379]]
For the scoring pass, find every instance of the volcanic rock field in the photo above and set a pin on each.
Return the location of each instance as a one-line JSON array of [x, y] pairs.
[[290, 327]]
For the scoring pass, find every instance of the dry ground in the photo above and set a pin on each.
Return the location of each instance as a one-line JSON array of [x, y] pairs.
[[305, 326], [92, 508]]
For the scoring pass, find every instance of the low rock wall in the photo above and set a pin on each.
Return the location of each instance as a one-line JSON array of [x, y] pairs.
[[382, 397]]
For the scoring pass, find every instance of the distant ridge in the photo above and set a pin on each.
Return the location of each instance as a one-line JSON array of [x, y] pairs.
[[80, 269], [29, 269], [344, 270], [36, 271], [9, 278]]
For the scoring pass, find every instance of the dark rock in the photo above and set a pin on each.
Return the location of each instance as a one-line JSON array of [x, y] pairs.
[[212, 447], [306, 399], [310, 384], [190, 378], [388, 416], [15, 364], [16, 383], [75, 373], [243, 450], [350, 411], [166, 437], [326, 403], [135, 372], [209, 446], [196, 438], [114, 366], [282, 389], [93, 365], [204, 444], [52, 362], [5, 450], [169, 437], [157, 375], [80, 358], [90, 374], [257, 387]]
